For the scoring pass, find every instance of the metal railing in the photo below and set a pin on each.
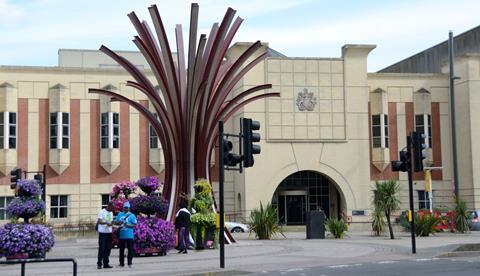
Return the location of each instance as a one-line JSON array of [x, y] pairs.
[[23, 263]]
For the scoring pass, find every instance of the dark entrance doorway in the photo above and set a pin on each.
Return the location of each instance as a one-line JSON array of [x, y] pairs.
[[292, 206], [306, 191]]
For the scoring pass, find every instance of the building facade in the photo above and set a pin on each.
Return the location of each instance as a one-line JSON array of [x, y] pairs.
[[325, 141]]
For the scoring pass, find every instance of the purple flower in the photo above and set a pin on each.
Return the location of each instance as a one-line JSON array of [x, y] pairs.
[[149, 205], [154, 232], [25, 238], [125, 187], [28, 187], [25, 207], [148, 184]]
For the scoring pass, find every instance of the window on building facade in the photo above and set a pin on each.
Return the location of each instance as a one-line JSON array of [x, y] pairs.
[[4, 200], [8, 130], [109, 130], [423, 125], [380, 131], [59, 130], [58, 206], [105, 200], [423, 200], [153, 137]]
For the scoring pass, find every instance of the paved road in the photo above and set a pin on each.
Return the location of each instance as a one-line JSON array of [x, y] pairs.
[[254, 256], [424, 267]]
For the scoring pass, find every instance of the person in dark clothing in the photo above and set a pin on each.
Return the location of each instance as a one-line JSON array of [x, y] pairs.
[[182, 223], [104, 228]]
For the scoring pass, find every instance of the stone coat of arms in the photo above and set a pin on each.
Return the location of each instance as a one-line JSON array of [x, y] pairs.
[[306, 101]]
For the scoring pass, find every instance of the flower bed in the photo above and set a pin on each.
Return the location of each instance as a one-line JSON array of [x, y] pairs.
[[151, 233], [32, 239]]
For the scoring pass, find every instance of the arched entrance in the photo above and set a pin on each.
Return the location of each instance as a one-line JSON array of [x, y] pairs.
[[305, 191]]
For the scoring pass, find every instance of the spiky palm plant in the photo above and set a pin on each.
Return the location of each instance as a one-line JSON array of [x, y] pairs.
[[336, 227], [461, 217], [263, 222], [378, 224], [386, 197]]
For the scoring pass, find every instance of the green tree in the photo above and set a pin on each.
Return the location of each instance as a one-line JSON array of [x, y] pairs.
[[386, 198]]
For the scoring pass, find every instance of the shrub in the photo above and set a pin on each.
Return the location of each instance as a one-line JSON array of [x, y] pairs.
[[263, 222], [336, 227], [425, 224], [461, 219]]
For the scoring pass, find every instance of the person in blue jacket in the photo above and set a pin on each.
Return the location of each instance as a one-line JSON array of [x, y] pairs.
[[127, 222]]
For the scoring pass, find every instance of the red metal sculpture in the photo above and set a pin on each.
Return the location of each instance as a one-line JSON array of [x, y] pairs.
[[194, 94]]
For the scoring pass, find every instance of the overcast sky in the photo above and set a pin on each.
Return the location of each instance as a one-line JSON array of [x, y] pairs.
[[32, 31]]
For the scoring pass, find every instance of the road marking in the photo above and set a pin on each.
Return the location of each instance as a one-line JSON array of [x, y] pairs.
[[426, 259], [343, 266], [388, 262]]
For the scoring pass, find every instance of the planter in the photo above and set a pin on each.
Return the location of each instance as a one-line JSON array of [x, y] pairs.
[[18, 256], [37, 255]]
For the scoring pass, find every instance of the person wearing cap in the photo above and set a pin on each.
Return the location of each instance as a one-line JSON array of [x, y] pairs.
[[127, 222]]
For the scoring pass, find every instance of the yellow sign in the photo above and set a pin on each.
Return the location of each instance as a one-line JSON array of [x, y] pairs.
[[409, 215], [428, 181], [217, 216]]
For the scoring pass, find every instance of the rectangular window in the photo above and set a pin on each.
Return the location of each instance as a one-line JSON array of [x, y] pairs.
[[153, 137], [423, 200], [4, 200], [110, 130], [380, 131], [8, 130], [423, 125], [105, 200], [58, 206], [59, 130], [12, 130]]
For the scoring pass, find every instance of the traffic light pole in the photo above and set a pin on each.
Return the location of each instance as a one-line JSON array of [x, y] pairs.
[[411, 213], [221, 177]]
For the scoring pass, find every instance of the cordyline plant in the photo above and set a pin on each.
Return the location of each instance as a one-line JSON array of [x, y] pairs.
[[192, 94], [386, 199]]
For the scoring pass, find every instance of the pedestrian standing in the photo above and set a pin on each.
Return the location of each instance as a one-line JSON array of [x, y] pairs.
[[104, 228], [182, 223], [127, 222]]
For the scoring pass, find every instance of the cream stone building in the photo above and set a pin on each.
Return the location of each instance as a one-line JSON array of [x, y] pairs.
[[325, 141]]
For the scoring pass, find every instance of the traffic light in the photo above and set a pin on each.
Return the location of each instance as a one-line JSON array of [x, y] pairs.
[[38, 178], [404, 164], [15, 175], [249, 138], [419, 153], [229, 158]]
